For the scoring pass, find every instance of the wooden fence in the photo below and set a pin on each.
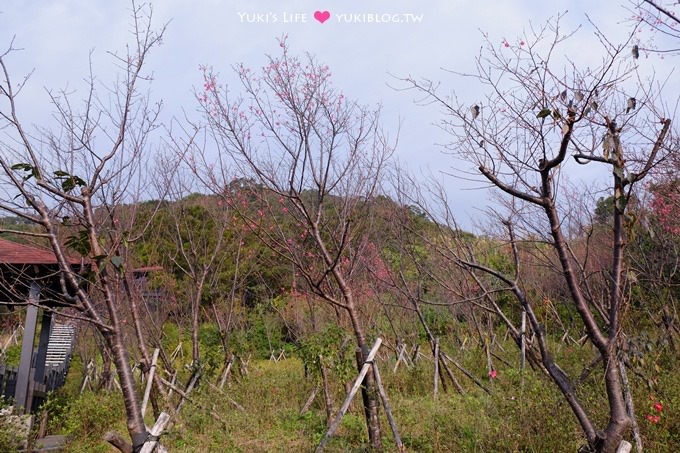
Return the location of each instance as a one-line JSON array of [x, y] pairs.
[[8, 381]]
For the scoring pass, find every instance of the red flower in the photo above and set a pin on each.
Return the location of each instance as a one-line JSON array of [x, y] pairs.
[[493, 374], [658, 407], [653, 418]]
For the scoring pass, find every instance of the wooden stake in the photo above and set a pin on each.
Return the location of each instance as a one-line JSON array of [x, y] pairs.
[[523, 346], [456, 384], [310, 400], [156, 431], [436, 367], [467, 373], [401, 356], [149, 381], [185, 397], [355, 388], [630, 408], [388, 410], [326, 392], [232, 401], [416, 351], [227, 370], [190, 387]]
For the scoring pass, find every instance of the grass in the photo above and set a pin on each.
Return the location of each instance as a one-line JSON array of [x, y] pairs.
[[523, 413]]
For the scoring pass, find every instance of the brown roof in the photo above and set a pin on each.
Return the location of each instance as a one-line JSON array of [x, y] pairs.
[[14, 253]]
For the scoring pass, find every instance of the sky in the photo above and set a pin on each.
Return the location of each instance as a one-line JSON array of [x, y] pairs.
[[368, 45]]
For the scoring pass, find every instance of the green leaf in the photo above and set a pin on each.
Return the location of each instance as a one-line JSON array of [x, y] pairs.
[[117, 261], [79, 242], [22, 166], [27, 168], [543, 113], [70, 181], [69, 184]]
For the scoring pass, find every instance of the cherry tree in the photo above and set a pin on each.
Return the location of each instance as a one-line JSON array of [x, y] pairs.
[[314, 156], [539, 114], [69, 179]]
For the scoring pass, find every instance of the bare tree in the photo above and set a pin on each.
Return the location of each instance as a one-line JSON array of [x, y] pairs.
[[520, 137], [662, 19], [313, 156], [69, 181]]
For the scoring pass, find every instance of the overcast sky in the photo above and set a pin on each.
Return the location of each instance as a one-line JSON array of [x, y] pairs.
[[416, 38]]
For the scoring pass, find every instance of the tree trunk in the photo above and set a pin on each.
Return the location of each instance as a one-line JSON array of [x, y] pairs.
[[135, 423], [368, 389]]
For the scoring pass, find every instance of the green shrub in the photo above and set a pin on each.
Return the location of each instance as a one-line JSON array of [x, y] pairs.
[[89, 417]]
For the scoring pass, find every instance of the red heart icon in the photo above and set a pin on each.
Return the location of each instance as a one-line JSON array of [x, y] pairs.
[[322, 16]]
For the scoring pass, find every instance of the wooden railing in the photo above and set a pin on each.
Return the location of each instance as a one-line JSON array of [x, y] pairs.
[[8, 381]]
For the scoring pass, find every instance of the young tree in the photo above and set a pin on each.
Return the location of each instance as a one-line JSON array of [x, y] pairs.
[[520, 138], [69, 181], [197, 230], [316, 157]]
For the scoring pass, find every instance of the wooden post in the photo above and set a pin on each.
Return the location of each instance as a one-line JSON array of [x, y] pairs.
[[149, 381], [227, 370], [41, 356], [456, 384], [436, 367], [355, 388], [388, 409], [523, 346], [190, 387], [630, 408], [326, 392], [416, 351], [467, 373], [234, 403], [310, 400], [156, 431], [185, 397], [24, 372], [401, 356]]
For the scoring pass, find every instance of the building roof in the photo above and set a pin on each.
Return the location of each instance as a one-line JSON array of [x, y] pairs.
[[15, 253]]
